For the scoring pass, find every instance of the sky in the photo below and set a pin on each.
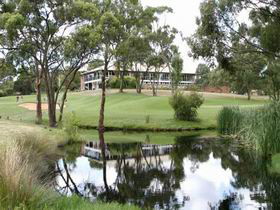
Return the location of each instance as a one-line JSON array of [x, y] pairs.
[[183, 18]]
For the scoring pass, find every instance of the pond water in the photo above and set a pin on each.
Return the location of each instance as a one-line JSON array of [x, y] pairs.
[[190, 174]]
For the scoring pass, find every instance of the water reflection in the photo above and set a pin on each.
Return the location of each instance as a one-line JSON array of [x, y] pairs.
[[192, 174]]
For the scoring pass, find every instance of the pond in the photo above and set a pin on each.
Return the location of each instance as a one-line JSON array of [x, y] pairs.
[[191, 173]]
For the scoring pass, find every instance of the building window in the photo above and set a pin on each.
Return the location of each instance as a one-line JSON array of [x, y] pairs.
[[165, 76]]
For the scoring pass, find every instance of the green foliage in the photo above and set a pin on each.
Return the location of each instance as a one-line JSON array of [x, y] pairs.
[[202, 72], [7, 88], [229, 120], [77, 203], [185, 107], [71, 127], [177, 68], [259, 127], [271, 80], [6, 69], [24, 84], [75, 83], [219, 77], [262, 128], [128, 82]]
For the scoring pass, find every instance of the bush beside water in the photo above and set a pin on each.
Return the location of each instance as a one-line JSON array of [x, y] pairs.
[[260, 126], [71, 127], [185, 106]]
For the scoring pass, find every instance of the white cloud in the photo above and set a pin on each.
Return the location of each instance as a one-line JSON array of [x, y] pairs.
[[182, 18]]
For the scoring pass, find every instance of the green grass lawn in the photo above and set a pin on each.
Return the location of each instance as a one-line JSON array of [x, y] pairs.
[[128, 110]]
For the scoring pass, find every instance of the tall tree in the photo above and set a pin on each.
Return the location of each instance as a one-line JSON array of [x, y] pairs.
[[109, 27], [127, 12], [134, 50], [247, 71], [163, 48], [219, 29], [43, 30], [220, 34]]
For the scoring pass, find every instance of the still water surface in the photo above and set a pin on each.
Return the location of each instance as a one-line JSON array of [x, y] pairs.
[[190, 174]]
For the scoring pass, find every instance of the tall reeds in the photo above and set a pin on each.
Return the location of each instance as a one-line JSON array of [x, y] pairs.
[[259, 127], [22, 170], [229, 120]]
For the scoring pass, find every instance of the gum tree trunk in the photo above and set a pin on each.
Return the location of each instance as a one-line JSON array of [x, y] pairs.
[[64, 97], [38, 82], [121, 81], [39, 115], [51, 100], [101, 127]]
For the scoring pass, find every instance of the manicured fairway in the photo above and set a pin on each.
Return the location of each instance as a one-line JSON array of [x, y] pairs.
[[128, 110]]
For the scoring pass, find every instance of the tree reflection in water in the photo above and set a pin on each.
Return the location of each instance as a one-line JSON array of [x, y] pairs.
[[153, 176]]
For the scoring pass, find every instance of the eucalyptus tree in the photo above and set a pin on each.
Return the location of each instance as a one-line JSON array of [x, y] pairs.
[[109, 27], [162, 43], [56, 35], [176, 71], [128, 13], [6, 69], [114, 36], [247, 71], [140, 52], [220, 33], [134, 49], [220, 28], [202, 71]]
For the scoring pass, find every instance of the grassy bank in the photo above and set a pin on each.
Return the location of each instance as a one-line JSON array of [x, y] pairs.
[[27, 161], [129, 110]]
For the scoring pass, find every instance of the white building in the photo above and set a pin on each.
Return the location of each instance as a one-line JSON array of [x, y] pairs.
[[91, 78]]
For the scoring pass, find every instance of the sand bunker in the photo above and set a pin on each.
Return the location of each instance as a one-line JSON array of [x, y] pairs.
[[32, 106]]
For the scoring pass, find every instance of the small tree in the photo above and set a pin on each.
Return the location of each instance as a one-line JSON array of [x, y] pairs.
[[202, 72], [176, 71], [185, 107]]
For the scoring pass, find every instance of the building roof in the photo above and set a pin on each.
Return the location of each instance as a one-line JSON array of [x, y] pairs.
[[112, 67]]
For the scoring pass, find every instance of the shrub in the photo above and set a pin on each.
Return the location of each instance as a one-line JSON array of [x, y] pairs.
[[71, 127], [129, 82], [229, 120], [185, 107], [193, 88]]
